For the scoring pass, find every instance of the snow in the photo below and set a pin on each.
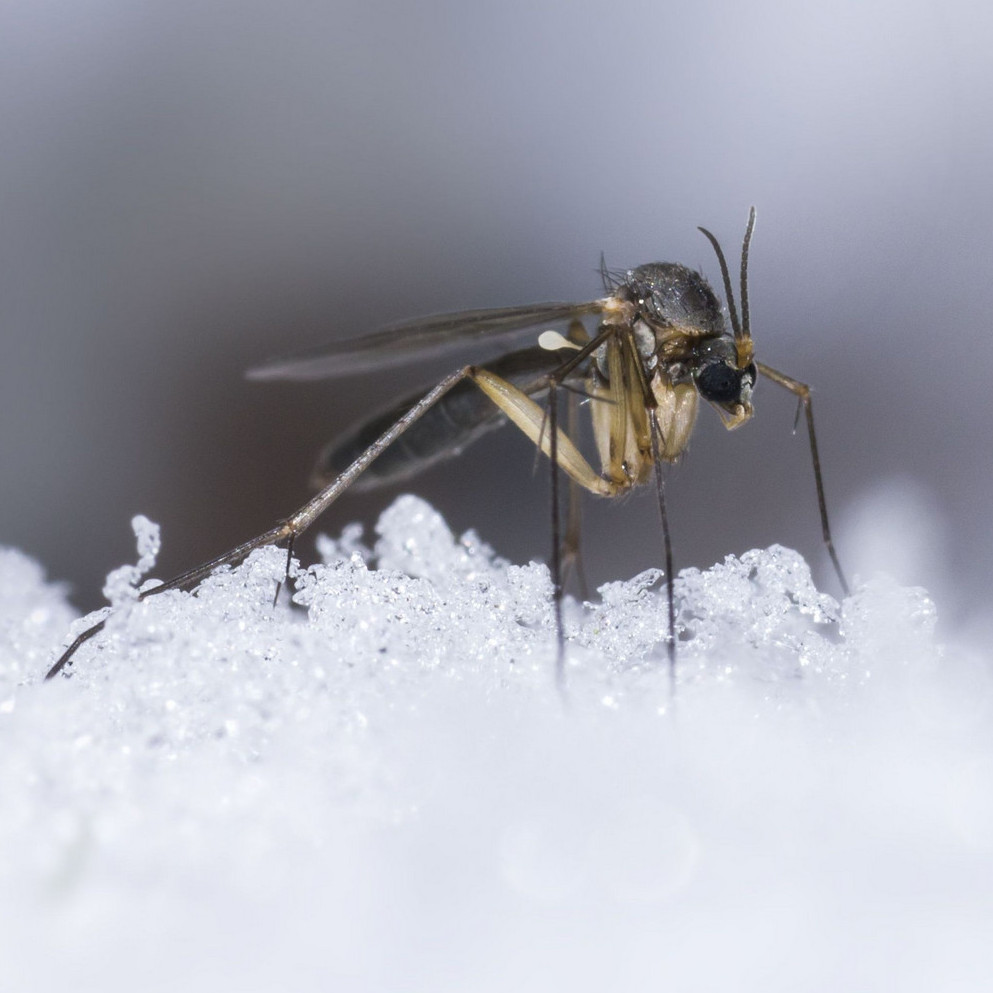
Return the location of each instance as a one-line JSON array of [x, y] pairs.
[[380, 787]]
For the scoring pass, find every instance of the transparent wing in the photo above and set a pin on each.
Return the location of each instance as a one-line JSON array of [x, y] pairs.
[[419, 339]]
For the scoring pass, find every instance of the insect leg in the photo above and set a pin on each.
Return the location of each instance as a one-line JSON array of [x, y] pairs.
[[562, 452], [670, 638], [516, 405], [572, 557], [572, 553], [530, 418], [556, 565], [285, 581], [186, 579], [463, 416], [298, 522], [802, 392]]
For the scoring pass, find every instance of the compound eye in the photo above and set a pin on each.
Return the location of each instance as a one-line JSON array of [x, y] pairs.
[[719, 383]]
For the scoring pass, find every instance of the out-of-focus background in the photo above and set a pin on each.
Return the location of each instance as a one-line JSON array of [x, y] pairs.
[[190, 188]]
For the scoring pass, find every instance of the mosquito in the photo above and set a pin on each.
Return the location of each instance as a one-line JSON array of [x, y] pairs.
[[661, 345]]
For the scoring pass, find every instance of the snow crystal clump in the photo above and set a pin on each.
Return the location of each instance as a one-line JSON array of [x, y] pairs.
[[122, 583], [375, 783]]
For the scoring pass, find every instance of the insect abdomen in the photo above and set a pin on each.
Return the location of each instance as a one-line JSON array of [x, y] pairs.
[[461, 417]]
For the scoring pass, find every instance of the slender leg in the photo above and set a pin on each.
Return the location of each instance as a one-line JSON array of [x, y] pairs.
[[670, 638], [296, 524], [286, 574], [541, 426], [532, 420], [572, 552], [802, 392], [191, 578], [519, 407], [556, 565]]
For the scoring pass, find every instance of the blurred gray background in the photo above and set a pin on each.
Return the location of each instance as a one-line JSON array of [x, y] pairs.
[[190, 188]]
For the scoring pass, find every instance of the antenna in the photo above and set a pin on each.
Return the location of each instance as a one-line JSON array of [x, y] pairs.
[[744, 275], [736, 327]]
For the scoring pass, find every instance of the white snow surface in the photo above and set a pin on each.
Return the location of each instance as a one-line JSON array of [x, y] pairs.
[[381, 787]]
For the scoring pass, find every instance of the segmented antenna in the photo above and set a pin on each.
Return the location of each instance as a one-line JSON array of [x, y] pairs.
[[745, 333], [728, 293]]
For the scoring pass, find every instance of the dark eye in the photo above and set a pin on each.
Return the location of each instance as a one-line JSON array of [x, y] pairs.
[[719, 382]]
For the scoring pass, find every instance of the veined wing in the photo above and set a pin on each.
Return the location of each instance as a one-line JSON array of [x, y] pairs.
[[420, 338]]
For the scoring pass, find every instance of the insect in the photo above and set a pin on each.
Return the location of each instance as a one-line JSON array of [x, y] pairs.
[[662, 344]]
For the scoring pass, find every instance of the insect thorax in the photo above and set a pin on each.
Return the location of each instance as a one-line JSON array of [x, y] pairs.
[[667, 294], [671, 324]]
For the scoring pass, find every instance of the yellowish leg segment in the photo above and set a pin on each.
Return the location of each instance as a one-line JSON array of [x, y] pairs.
[[531, 419]]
